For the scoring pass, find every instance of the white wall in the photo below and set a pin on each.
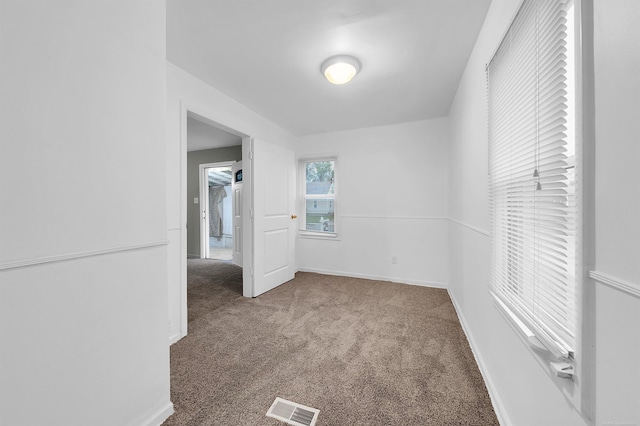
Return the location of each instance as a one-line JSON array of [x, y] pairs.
[[522, 390], [83, 317], [617, 126], [518, 380], [187, 92], [392, 183]]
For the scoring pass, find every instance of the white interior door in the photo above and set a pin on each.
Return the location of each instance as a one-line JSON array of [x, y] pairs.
[[236, 194], [274, 216]]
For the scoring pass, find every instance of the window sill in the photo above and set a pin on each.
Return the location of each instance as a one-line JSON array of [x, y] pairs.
[[319, 235], [553, 366], [520, 328]]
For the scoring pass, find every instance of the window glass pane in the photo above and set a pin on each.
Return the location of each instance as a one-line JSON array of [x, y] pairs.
[[319, 177], [320, 217]]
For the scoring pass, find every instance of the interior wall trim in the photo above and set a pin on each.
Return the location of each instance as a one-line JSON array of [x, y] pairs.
[[357, 216], [496, 401], [617, 283], [473, 228], [160, 415], [421, 283], [174, 338], [79, 255]]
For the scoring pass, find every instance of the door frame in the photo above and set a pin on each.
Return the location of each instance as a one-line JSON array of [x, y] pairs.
[[204, 203], [205, 114], [236, 255]]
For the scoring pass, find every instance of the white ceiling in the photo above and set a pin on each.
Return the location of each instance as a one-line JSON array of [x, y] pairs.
[[201, 135], [267, 55]]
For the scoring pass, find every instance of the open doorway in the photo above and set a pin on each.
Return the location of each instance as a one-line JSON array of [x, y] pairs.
[[211, 225], [216, 230], [272, 234], [209, 147]]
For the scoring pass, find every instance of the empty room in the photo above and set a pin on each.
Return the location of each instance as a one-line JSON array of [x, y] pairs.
[[341, 212]]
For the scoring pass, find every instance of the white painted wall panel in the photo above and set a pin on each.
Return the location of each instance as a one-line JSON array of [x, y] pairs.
[[78, 127], [524, 392], [392, 202], [618, 333], [617, 71], [84, 341], [367, 246], [617, 93], [82, 128]]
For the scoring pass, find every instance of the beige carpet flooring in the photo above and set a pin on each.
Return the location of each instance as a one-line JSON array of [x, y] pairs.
[[363, 352]]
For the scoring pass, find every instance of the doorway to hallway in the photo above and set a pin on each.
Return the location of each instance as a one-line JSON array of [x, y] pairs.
[[216, 230]]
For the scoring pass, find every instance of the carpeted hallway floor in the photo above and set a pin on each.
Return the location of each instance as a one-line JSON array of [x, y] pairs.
[[363, 352]]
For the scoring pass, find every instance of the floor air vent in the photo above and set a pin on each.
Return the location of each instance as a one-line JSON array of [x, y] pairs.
[[293, 413]]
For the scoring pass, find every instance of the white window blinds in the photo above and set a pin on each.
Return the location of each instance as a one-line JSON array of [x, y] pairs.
[[531, 172]]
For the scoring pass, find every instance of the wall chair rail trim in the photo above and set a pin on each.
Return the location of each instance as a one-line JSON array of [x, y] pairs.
[[617, 283], [79, 255], [360, 216], [471, 227]]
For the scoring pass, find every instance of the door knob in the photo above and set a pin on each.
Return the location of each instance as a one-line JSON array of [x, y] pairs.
[[293, 216]]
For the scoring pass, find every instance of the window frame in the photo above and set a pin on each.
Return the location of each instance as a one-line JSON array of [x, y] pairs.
[[582, 162], [303, 197]]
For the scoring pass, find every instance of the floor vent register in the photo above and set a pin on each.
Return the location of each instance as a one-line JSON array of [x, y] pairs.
[[293, 413]]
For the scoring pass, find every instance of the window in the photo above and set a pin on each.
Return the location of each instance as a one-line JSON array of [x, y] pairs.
[[319, 196], [532, 175]]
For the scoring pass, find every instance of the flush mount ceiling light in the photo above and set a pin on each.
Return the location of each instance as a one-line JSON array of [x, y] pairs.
[[340, 69]]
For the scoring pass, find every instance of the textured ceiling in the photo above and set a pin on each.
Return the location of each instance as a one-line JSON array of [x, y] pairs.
[[267, 55]]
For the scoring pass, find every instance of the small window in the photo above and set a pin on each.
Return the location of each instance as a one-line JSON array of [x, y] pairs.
[[318, 196]]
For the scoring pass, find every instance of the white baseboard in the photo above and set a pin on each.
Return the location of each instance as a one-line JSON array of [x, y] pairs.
[[174, 338], [159, 416], [498, 407], [421, 283]]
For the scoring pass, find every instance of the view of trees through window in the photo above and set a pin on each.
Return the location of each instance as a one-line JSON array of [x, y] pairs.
[[320, 196]]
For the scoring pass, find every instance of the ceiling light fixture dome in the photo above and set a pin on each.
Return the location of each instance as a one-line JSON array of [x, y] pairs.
[[340, 69]]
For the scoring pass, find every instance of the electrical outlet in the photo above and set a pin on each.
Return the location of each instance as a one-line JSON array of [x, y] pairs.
[[195, 200], [394, 259]]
